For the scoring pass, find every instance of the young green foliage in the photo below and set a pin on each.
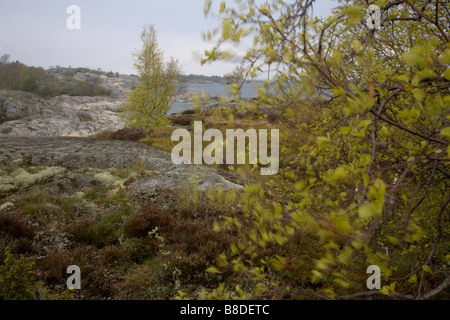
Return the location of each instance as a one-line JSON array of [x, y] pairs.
[[373, 179], [148, 103]]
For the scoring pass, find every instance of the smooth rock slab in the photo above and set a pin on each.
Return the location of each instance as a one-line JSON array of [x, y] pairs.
[[24, 114], [80, 153]]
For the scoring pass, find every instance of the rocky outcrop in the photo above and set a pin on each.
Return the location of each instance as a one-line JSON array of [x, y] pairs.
[[183, 177], [118, 84], [17, 105], [23, 114], [78, 153], [52, 134]]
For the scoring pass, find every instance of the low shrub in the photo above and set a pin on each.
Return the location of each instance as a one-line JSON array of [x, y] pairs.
[[182, 120], [130, 134], [139, 250], [90, 232], [15, 225], [114, 256], [190, 111], [96, 281], [105, 135], [186, 242], [17, 281]]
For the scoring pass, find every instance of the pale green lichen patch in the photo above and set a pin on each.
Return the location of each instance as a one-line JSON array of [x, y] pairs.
[[6, 206], [118, 177], [109, 179], [19, 177]]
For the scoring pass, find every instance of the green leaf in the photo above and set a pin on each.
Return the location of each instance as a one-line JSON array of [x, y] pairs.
[[385, 290], [354, 14], [339, 173], [364, 211], [447, 74], [365, 159], [337, 57], [417, 56], [222, 7], [226, 29], [403, 78], [427, 269], [346, 131], [288, 57], [413, 279], [392, 286], [364, 124], [446, 132], [418, 94], [393, 240], [212, 270], [357, 47], [321, 141], [207, 7], [426, 73], [381, 3]]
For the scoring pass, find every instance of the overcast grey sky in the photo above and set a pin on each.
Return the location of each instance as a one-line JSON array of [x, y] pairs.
[[35, 33]]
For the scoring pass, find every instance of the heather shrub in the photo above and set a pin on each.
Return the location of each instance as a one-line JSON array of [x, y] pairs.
[[94, 233], [96, 281], [15, 225], [130, 134], [182, 120], [185, 243]]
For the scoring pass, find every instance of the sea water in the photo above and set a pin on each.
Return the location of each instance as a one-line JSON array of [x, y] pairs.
[[248, 90]]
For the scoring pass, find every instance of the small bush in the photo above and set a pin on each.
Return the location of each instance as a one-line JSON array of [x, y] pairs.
[[105, 135], [126, 134], [190, 111], [140, 224], [114, 256], [89, 87], [186, 242], [96, 282], [15, 225], [140, 250], [54, 265], [16, 279], [90, 232], [130, 134], [273, 118], [182, 120]]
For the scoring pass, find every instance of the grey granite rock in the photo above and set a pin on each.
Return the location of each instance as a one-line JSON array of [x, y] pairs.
[[26, 115], [76, 153]]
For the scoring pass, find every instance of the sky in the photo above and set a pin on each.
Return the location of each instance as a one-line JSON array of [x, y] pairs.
[[35, 32]]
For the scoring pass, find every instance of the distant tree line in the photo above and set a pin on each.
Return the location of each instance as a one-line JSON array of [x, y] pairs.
[[36, 80], [198, 78]]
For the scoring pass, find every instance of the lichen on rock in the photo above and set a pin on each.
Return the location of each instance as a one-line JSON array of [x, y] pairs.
[[22, 178]]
